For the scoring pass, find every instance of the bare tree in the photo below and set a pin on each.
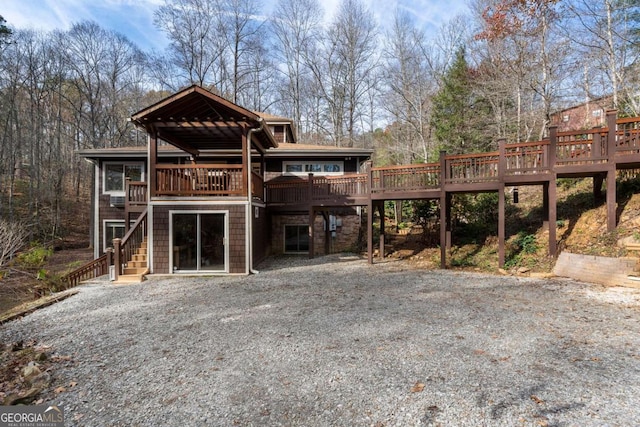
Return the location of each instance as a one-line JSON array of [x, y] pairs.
[[12, 238], [410, 87], [605, 33], [196, 49], [295, 24]]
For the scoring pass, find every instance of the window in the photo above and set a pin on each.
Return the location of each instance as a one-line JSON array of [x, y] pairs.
[[317, 167], [113, 229], [296, 238], [115, 175]]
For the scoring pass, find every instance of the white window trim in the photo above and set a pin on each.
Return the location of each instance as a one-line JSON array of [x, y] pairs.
[[104, 175], [104, 231], [226, 241], [311, 162]]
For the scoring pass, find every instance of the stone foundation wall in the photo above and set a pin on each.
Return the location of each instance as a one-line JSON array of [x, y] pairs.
[[344, 238]]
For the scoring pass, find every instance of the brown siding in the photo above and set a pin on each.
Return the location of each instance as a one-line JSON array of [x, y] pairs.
[[236, 236], [260, 235], [106, 212]]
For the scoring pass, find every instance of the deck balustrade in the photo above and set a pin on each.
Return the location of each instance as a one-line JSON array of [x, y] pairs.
[[199, 180], [576, 149]]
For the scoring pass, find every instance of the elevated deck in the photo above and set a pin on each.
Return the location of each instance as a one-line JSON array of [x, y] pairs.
[[585, 153]]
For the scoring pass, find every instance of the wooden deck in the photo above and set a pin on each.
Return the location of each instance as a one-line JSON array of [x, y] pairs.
[[596, 153], [584, 153]]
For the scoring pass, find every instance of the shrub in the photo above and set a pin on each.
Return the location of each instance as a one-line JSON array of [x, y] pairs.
[[35, 257]]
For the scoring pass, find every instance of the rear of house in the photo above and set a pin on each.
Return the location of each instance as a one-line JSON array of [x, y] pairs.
[[208, 184]]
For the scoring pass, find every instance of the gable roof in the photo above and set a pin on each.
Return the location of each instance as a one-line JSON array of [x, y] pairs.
[[195, 119]]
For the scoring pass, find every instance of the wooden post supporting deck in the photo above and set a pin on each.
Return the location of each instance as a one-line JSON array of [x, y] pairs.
[[312, 217], [551, 197], [153, 160], [443, 211], [117, 261], [382, 233], [611, 170], [501, 202], [370, 212], [312, 220]]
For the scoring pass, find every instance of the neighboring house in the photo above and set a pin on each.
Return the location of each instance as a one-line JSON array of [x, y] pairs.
[[200, 188], [587, 115]]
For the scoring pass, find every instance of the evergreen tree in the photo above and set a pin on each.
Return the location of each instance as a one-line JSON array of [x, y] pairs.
[[5, 32], [460, 116]]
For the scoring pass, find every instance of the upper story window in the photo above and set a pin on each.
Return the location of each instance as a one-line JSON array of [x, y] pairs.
[[115, 174], [315, 167]]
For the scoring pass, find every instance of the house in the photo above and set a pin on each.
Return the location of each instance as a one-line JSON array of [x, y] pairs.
[[587, 115], [216, 189]]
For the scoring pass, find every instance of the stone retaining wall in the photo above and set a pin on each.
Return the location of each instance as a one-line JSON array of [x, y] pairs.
[[597, 269]]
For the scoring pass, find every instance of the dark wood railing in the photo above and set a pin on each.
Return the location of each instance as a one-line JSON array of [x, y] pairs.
[[257, 186], [471, 168], [526, 157], [570, 150], [96, 268], [125, 248], [199, 180], [136, 193], [411, 177]]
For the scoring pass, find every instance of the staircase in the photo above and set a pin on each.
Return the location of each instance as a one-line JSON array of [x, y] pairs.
[[136, 268]]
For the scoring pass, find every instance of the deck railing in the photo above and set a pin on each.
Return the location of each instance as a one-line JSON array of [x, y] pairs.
[[582, 147], [406, 178], [316, 188], [469, 168], [136, 193], [526, 157], [199, 180], [628, 136], [562, 149], [257, 186]]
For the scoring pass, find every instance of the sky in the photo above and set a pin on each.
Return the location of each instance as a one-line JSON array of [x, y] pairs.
[[134, 18]]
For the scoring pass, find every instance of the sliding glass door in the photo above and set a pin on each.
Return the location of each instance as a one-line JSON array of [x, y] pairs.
[[198, 242]]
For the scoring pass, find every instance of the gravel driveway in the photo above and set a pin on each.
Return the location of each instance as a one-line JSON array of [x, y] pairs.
[[337, 342]]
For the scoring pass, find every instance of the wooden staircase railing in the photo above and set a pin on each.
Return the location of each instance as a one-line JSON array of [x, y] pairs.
[[125, 248], [96, 268]]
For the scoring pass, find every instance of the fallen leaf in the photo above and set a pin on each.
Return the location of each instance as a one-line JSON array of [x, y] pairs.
[[417, 387], [537, 399]]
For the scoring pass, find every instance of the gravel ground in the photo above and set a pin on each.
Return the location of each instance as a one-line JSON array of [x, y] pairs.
[[337, 342]]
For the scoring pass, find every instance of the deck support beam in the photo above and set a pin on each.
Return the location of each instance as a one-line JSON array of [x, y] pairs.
[[444, 222], [552, 214], [382, 233], [312, 220], [501, 226], [611, 172], [370, 231], [611, 199]]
